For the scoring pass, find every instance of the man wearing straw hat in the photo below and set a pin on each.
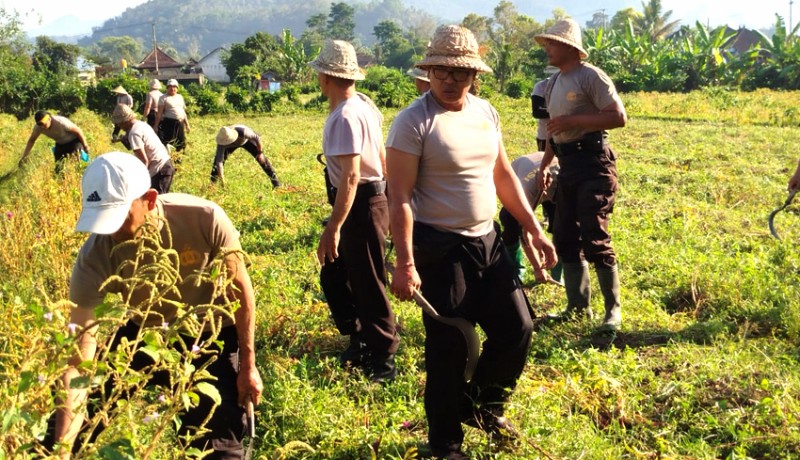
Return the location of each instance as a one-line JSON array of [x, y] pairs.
[[230, 138], [122, 97], [147, 147], [583, 104], [446, 165], [351, 248], [151, 103], [421, 80]]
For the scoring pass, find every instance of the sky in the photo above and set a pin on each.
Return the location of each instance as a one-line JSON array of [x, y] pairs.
[[62, 17]]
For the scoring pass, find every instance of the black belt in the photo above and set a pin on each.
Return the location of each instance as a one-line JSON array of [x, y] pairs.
[[366, 190], [592, 142]]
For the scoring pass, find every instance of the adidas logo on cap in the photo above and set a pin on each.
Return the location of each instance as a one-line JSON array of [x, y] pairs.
[[94, 197]]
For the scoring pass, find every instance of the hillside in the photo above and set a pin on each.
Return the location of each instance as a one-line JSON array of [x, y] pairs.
[[196, 27]]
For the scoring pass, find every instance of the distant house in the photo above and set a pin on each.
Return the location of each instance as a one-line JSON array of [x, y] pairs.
[[162, 66], [86, 71], [743, 40], [269, 81], [211, 66], [157, 62]]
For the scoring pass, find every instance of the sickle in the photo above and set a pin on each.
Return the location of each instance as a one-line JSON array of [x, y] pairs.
[[771, 220], [466, 328]]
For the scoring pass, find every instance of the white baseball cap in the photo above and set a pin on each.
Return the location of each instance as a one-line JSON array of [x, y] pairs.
[[110, 184]]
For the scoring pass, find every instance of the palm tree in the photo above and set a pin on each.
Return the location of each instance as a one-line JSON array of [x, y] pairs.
[[654, 21]]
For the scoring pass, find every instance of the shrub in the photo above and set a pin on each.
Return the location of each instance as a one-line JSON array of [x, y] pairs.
[[100, 98], [388, 87], [237, 97], [262, 101], [206, 98], [518, 87]]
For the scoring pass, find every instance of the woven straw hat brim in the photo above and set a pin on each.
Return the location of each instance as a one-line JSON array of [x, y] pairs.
[[122, 113], [449, 60], [541, 38], [227, 136], [347, 74]]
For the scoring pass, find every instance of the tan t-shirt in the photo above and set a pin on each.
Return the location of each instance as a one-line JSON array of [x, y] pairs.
[[455, 189], [59, 130], [584, 89], [200, 231]]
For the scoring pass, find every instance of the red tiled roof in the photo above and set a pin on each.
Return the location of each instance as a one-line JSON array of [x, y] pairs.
[[164, 61]]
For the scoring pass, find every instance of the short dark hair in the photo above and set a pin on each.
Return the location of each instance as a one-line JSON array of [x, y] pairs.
[[37, 117]]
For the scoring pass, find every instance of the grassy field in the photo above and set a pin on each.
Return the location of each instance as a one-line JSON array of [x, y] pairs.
[[705, 366]]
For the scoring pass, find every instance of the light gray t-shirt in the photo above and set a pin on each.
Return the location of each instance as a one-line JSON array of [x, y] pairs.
[[584, 89], [455, 189], [525, 168], [153, 97], [172, 107], [354, 127], [143, 137]]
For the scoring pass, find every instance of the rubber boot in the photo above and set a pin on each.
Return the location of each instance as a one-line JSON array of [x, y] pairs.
[[608, 279], [556, 272], [578, 289], [518, 256]]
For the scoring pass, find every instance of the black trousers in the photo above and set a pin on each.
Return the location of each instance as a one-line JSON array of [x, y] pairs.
[[253, 150], [162, 180], [355, 283], [585, 200], [472, 278], [63, 151], [228, 422], [173, 132]]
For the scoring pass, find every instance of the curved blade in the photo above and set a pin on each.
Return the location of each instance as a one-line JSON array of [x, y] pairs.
[[771, 219], [467, 330]]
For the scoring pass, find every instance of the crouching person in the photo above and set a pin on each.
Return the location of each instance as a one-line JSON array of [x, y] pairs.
[[117, 202], [147, 147]]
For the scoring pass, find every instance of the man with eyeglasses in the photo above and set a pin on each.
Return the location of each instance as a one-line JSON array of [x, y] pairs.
[[68, 136], [446, 165]]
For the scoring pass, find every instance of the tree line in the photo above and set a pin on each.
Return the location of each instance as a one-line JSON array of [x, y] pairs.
[[641, 51]]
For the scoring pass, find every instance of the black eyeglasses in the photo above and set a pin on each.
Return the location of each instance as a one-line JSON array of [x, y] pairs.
[[459, 75]]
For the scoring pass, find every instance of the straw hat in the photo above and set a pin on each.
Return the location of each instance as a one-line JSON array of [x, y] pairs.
[[119, 90], [454, 46], [566, 31], [227, 136], [418, 74], [172, 82], [122, 113], [338, 59], [155, 84]]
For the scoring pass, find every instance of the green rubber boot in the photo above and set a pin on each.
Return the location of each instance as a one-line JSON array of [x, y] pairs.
[[608, 279], [515, 250], [578, 289]]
